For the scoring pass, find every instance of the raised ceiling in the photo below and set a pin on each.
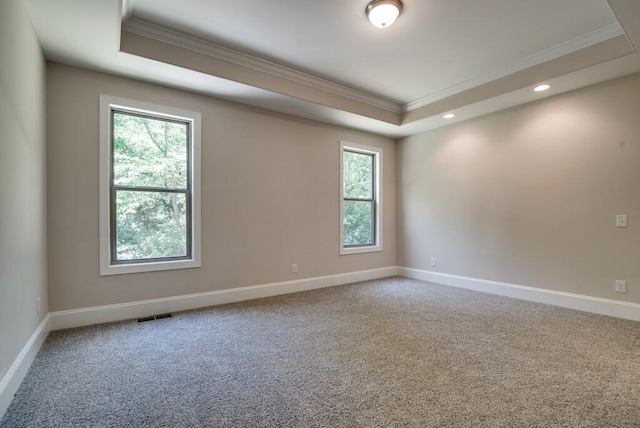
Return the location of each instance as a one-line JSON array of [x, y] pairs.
[[323, 60]]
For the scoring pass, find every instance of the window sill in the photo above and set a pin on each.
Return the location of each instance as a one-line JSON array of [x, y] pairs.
[[359, 250], [148, 267]]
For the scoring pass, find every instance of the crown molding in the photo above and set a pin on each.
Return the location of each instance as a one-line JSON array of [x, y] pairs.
[[199, 45], [196, 44], [584, 41]]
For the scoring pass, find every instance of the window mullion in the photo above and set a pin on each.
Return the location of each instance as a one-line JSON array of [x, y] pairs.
[[358, 200], [150, 189]]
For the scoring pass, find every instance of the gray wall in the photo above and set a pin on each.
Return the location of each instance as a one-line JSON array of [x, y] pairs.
[[22, 187], [270, 195], [530, 195]]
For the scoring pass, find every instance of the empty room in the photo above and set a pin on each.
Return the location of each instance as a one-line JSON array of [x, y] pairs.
[[386, 213]]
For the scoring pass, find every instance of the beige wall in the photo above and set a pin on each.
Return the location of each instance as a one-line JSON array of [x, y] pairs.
[[270, 195], [22, 188], [530, 195]]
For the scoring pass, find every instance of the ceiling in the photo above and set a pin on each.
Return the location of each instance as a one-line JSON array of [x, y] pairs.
[[323, 60]]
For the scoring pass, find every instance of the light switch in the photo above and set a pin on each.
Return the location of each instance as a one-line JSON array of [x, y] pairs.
[[621, 221]]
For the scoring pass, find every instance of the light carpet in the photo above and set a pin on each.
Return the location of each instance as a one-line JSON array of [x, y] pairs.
[[390, 353]]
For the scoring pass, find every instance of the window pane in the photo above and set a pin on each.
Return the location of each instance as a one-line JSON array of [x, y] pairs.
[[149, 152], [358, 223], [150, 225], [358, 175]]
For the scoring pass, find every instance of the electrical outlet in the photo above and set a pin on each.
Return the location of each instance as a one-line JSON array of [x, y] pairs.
[[433, 261], [38, 306], [621, 220], [621, 286], [294, 268]]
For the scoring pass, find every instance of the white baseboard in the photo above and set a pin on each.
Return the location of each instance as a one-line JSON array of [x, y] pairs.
[[130, 310], [614, 308], [16, 373]]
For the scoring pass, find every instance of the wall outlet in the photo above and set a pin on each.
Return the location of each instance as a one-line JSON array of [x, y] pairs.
[[621, 220], [433, 261], [621, 286], [294, 268], [38, 306]]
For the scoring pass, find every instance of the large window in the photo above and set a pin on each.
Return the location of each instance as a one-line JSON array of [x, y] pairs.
[[360, 191], [149, 187]]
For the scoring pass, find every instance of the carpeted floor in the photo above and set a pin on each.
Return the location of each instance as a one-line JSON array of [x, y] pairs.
[[389, 353]]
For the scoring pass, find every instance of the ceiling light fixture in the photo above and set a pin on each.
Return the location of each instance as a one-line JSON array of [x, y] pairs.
[[383, 13], [541, 88], [449, 116]]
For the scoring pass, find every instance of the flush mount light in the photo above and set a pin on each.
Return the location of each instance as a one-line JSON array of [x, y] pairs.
[[449, 116], [383, 13], [541, 88]]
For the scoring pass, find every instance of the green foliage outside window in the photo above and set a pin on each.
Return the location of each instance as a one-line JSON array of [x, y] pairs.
[[358, 203], [150, 178]]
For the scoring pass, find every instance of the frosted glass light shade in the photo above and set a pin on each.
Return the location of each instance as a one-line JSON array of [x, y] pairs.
[[383, 13]]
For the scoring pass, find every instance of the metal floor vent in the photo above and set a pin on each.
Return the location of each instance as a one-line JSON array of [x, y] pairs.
[[155, 317]]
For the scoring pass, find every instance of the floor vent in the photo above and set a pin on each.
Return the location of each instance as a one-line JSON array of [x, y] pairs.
[[155, 317]]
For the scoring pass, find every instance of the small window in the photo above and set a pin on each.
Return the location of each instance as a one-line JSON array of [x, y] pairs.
[[149, 187], [360, 192]]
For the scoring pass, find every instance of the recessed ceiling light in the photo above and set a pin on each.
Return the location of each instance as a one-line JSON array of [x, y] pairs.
[[541, 88], [449, 116], [383, 13]]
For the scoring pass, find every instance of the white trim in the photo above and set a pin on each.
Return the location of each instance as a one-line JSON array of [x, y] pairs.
[[596, 305], [130, 310], [126, 10], [378, 159], [106, 104], [16, 373], [573, 45], [195, 44]]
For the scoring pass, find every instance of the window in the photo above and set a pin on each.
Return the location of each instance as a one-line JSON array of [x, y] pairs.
[[149, 187], [360, 191]]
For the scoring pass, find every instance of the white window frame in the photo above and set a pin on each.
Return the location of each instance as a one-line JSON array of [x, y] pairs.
[[377, 153], [107, 104]]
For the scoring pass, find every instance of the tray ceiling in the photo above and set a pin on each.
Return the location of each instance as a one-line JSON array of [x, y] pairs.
[[325, 61]]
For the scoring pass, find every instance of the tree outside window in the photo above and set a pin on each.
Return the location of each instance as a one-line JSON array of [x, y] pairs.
[[150, 190]]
